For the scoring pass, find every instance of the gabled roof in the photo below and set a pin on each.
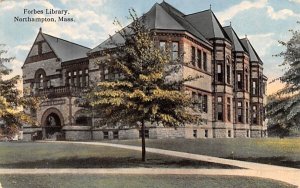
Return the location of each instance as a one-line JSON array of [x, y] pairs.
[[65, 50], [236, 43], [207, 23], [252, 53], [161, 17], [179, 17]]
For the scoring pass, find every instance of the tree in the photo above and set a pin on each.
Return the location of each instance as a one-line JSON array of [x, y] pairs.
[[283, 108], [150, 87], [11, 101]]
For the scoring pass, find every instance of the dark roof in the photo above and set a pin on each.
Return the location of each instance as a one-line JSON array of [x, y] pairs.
[[66, 50], [236, 43], [179, 17], [161, 17], [207, 23], [252, 53]]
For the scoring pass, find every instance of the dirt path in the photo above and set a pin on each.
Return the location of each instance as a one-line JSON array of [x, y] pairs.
[[285, 174]]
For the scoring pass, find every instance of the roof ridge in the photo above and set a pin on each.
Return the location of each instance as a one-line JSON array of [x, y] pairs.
[[197, 12], [66, 40]]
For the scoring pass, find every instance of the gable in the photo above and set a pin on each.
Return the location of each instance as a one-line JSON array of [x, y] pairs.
[[40, 50]]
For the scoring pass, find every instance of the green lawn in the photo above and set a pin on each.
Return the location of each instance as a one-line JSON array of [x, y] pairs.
[[132, 181], [284, 152], [56, 155]]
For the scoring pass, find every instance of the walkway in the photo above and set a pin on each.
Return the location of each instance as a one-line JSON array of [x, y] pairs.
[[285, 174]]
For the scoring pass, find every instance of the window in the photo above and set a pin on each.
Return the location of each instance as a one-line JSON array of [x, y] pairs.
[[228, 74], [80, 81], [86, 83], [200, 102], [193, 56], [204, 61], [220, 109], [195, 133], [175, 50], [162, 46], [206, 133], [80, 72], [146, 133], [247, 112], [204, 103], [105, 73], [86, 71], [248, 133], [247, 80], [219, 73], [199, 59], [228, 109], [254, 115], [229, 133], [254, 87], [194, 99], [239, 81], [105, 135], [116, 135], [41, 81], [240, 112]]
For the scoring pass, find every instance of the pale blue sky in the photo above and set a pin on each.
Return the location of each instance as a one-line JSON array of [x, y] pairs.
[[264, 21]]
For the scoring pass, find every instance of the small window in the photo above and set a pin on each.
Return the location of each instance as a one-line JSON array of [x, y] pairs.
[[199, 59], [220, 99], [219, 73], [193, 56], [195, 133], [74, 73], [162, 45], [248, 135], [175, 50], [229, 133], [239, 81], [116, 134], [206, 133], [80, 72], [204, 61], [228, 74], [204, 103], [105, 134], [86, 71]]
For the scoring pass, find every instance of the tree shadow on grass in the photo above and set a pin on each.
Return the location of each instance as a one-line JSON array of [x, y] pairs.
[[120, 162], [276, 160]]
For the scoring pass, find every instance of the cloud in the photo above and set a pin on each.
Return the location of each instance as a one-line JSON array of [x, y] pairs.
[[295, 1], [242, 6], [262, 42], [281, 14]]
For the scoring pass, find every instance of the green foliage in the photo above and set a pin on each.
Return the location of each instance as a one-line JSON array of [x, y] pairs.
[[145, 90], [11, 100], [284, 106]]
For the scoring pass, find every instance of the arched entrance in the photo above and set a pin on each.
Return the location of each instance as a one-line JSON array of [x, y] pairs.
[[52, 123]]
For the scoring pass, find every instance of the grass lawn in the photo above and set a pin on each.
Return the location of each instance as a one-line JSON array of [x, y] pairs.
[[55, 155], [132, 181], [284, 152]]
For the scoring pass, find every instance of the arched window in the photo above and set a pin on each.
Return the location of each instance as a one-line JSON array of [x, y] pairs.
[[40, 79]]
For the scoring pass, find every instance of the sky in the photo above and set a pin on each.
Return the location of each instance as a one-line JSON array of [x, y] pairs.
[[263, 21]]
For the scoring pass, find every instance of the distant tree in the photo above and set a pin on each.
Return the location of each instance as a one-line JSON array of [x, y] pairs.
[[149, 87], [283, 108], [12, 116]]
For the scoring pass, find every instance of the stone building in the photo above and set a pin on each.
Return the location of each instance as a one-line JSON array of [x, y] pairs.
[[232, 87]]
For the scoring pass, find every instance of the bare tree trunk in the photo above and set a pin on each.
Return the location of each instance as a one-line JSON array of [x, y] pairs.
[[143, 142]]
